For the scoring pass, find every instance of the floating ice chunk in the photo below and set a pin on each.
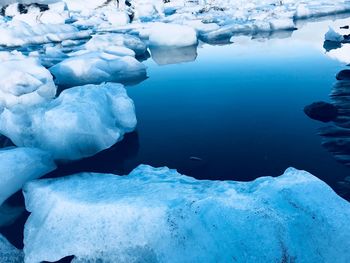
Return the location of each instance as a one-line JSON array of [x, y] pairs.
[[23, 81], [333, 36], [18, 33], [97, 67], [8, 253], [20, 165], [107, 41], [158, 215], [81, 122], [172, 35]]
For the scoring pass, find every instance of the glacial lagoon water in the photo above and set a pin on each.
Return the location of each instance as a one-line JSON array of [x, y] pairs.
[[229, 112]]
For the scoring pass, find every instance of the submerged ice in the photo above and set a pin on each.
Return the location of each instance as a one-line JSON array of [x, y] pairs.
[[81, 122], [159, 215]]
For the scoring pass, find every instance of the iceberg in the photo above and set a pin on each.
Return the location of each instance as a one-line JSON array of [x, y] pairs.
[[159, 215], [81, 122], [23, 81], [8, 253], [19, 165], [96, 67]]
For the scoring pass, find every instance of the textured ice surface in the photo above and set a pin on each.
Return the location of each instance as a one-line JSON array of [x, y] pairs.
[[158, 215], [8, 253], [23, 81], [106, 43], [79, 123], [97, 67], [20, 165]]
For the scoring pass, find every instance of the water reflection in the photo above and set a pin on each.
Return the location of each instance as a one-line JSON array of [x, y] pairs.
[[335, 137], [165, 56]]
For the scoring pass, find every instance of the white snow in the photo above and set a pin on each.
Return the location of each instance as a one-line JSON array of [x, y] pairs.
[[97, 67], [333, 36], [8, 253], [172, 35], [20, 165], [158, 215], [23, 81], [81, 122]]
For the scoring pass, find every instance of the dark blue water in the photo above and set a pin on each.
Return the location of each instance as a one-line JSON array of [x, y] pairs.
[[238, 108], [232, 112]]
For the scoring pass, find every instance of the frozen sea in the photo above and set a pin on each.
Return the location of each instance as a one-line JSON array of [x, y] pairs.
[[229, 111]]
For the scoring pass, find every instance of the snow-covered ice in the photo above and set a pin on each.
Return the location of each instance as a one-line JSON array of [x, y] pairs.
[[81, 122], [97, 67], [23, 81], [8, 253], [158, 215], [20, 165]]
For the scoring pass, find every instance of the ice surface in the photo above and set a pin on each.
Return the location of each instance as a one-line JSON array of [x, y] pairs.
[[97, 67], [172, 35], [20, 165], [23, 81], [158, 215], [107, 42], [79, 123], [8, 253]]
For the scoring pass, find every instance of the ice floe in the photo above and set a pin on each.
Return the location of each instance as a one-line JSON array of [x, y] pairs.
[[20, 165], [96, 67], [23, 81], [79, 123], [158, 215]]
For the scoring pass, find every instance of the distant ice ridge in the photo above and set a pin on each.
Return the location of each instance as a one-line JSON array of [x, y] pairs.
[[159, 215], [8, 253], [20, 165], [23, 81], [81, 122]]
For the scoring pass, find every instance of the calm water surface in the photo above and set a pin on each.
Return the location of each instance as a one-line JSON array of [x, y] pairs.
[[237, 107]]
